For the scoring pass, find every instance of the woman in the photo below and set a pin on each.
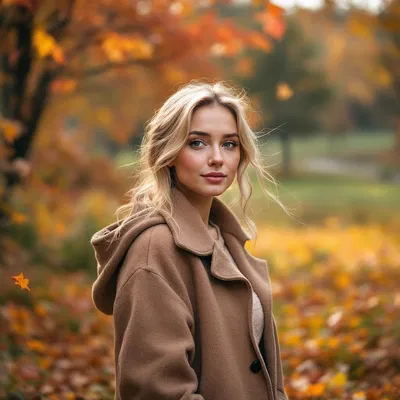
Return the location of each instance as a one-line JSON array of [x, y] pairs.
[[192, 308]]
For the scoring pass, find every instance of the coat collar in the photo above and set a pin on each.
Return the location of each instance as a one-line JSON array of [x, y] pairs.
[[190, 232]]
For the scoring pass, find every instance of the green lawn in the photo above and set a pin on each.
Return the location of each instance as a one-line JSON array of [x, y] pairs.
[[322, 145], [311, 198]]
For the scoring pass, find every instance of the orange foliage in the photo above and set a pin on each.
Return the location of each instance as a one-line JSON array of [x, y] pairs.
[[21, 281], [272, 20], [338, 341], [138, 55]]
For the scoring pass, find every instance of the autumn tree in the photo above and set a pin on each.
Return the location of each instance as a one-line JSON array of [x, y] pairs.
[[290, 89], [60, 57], [388, 28], [359, 53]]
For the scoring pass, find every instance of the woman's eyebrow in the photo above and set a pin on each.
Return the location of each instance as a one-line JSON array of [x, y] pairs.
[[200, 133]]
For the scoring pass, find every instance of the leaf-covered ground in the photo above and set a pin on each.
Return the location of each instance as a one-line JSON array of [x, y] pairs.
[[336, 300]]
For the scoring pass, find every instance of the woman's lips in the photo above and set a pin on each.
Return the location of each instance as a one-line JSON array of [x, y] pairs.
[[214, 179]]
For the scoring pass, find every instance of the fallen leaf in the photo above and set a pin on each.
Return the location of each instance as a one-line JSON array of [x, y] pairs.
[[21, 281]]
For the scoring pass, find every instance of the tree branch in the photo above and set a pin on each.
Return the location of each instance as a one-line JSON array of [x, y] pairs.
[[99, 69]]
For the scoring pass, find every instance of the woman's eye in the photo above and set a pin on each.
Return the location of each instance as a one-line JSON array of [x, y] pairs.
[[195, 141], [233, 144]]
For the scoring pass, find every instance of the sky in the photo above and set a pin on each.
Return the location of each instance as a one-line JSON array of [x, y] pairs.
[[373, 5]]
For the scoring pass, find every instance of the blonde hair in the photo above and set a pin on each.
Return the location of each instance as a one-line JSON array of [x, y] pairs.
[[165, 135]]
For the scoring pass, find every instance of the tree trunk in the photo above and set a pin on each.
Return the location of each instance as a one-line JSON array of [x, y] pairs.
[[286, 154], [396, 147], [14, 99]]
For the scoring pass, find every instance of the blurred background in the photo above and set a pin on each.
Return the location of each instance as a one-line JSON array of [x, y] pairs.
[[78, 81]]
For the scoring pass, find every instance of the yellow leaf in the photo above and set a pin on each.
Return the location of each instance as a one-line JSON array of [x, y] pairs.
[[259, 41], [117, 47], [338, 380], [182, 8], [40, 310], [315, 322], [354, 321], [342, 280], [36, 345], [283, 91], [46, 45], [21, 281], [43, 42], [11, 130], [58, 55], [316, 389], [293, 340], [359, 28], [18, 218], [384, 78], [104, 116], [60, 228], [140, 48], [333, 342], [174, 74], [45, 362], [272, 21]]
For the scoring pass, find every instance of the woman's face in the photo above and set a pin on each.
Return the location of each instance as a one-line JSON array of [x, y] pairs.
[[212, 146]]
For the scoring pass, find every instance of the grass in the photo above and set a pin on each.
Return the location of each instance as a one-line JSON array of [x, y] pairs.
[[322, 145], [312, 198]]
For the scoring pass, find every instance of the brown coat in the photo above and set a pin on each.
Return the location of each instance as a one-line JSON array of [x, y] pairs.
[[183, 312]]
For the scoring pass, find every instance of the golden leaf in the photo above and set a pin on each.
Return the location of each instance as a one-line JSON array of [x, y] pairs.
[[43, 42], [342, 280], [360, 28], [259, 41], [11, 130], [274, 9], [21, 281], [333, 342], [117, 47], [359, 396], [104, 116], [46, 45], [272, 21], [140, 48], [338, 380], [174, 74], [36, 345], [283, 91], [316, 389], [18, 218]]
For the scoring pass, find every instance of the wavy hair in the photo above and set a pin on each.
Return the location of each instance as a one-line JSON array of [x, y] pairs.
[[165, 135]]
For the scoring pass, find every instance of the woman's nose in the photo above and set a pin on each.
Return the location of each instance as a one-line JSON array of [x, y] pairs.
[[216, 155]]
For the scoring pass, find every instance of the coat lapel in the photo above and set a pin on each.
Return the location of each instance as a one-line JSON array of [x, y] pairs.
[[190, 232]]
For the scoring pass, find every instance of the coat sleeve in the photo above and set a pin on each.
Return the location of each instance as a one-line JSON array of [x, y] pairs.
[[153, 341], [281, 391]]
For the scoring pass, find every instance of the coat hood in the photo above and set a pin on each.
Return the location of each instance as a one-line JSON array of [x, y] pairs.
[[187, 228]]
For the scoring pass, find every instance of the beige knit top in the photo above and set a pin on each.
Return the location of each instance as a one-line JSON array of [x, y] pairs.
[[258, 314]]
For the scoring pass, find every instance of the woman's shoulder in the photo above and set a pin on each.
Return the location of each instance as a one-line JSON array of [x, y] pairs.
[[156, 239], [154, 251]]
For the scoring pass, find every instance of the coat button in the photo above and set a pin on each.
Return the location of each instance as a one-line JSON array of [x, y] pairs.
[[255, 366]]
